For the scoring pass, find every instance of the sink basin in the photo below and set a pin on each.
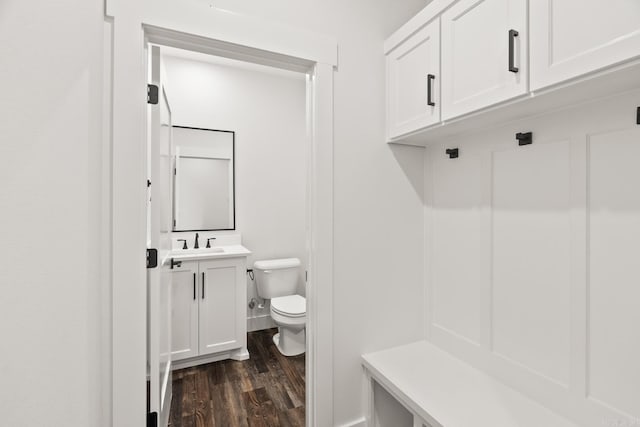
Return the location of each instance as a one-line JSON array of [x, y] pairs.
[[214, 250]]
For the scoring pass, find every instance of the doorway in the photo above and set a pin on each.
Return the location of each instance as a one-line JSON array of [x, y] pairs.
[[257, 394]]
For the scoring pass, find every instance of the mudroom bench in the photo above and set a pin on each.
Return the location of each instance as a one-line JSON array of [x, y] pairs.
[[420, 385]]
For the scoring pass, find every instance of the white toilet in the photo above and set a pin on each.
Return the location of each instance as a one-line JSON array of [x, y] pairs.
[[277, 280]]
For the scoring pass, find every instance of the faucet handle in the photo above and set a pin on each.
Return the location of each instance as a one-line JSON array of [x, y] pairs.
[[184, 241], [209, 241]]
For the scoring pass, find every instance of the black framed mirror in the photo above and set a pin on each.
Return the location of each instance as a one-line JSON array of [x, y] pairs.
[[204, 179]]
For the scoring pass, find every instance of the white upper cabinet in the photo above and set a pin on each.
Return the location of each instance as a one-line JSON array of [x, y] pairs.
[[413, 82], [480, 62], [573, 37], [484, 54]]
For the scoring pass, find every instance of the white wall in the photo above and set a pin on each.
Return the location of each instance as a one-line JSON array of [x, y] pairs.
[[51, 366], [531, 272], [267, 111], [378, 190], [51, 104]]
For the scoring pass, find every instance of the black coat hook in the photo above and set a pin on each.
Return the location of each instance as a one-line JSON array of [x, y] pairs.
[[452, 153], [525, 138]]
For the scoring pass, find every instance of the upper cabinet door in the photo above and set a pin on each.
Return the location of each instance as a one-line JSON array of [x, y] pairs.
[[573, 37], [484, 54], [413, 82]]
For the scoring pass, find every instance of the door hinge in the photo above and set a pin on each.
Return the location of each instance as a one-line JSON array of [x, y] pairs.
[[524, 138], [152, 94], [148, 183], [306, 276], [638, 116], [152, 419], [152, 258]]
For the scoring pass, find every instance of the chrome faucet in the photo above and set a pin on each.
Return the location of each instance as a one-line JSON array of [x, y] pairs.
[[196, 246]]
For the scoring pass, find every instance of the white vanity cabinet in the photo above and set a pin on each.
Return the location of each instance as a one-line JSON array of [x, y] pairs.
[[483, 54], [570, 38], [184, 311], [413, 82], [223, 319], [208, 313]]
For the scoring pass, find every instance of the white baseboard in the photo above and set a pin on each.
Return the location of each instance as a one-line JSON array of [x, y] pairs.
[[362, 422], [259, 323], [200, 360]]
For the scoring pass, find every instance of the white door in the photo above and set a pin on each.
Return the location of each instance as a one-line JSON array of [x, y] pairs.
[[184, 311], [222, 313], [484, 54], [159, 217], [573, 37], [413, 82]]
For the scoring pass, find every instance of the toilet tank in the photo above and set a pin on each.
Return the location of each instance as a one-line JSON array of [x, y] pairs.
[[276, 277]]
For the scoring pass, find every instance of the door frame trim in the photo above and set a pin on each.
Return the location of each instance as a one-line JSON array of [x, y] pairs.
[[128, 209]]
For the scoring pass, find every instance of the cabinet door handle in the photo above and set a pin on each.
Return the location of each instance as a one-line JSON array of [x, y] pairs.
[[430, 79], [512, 40], [194, 286], [203, 285]]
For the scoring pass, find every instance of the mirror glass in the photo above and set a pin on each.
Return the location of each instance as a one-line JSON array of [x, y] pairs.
[[203, 197]]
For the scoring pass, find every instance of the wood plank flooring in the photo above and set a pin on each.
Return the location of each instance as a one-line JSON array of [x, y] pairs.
[[268, 390]]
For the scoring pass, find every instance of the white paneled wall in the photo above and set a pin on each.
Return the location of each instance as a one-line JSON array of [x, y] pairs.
[[459, 195], [533, 270], [531, 256], [613, 349]]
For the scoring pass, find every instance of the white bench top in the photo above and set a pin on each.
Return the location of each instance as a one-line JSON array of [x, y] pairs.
[[449, 393]]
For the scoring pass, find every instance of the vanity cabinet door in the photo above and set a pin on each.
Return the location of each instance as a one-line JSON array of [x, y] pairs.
[[413, 82], [484, 54], [184, 311], [573, 37], [222, 300]]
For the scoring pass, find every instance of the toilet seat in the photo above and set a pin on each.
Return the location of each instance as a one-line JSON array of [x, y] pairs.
[[290, 306]]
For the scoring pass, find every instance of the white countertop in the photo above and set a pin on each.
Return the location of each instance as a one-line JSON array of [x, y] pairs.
[[215, 252]]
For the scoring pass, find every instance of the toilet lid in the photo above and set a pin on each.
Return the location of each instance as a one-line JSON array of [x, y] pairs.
[[291, 305]]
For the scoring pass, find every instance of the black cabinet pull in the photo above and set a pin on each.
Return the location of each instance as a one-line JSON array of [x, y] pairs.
[[512, 36], [203, 285], [430, 79], [194, 286]]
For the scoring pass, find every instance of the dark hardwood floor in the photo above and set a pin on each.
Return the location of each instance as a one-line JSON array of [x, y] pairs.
[[266, 390]]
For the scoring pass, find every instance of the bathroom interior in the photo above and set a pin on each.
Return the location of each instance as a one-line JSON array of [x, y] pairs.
[[232, 169]]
